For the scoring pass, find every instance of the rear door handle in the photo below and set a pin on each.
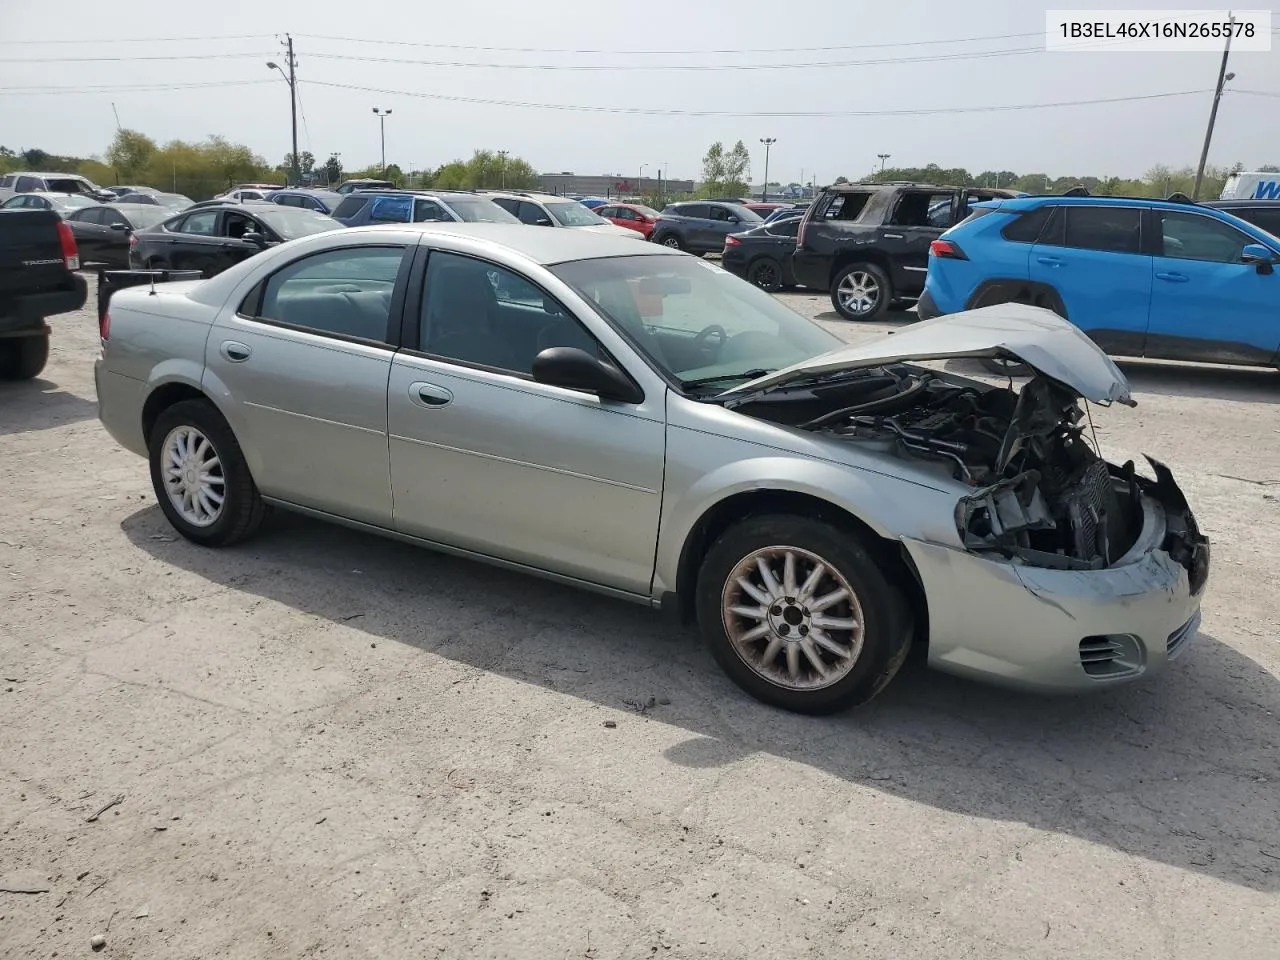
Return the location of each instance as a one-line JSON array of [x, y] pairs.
[[1049, 261], [429, 395], [235, 351], [1173, 277]]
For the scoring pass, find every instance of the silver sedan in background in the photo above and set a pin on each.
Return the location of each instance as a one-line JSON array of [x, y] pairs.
[[636, 421]]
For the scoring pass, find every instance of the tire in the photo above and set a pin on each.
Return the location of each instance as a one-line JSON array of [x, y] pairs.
[[242, 508], [863, 284], [765, 273], [671, 240], [1048, 300], [22, 358], [878, 649]]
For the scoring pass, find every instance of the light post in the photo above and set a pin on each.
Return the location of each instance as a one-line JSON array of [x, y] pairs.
[[291, 79], [768, 142], [382, 125], [502, 168], [640, 182], [883, 157]]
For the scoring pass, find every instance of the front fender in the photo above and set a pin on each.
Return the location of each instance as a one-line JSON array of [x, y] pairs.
[[891, 506]]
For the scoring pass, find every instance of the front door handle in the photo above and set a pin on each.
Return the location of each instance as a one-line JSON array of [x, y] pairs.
[[893, 236], [1173, 277], [429, 395], [235, 351], [1049, 261]]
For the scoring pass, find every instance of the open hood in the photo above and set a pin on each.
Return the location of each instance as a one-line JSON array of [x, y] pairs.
[[1012, 331]]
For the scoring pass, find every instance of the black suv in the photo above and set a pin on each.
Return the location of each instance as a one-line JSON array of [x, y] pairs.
[[1261, 213], [700, 226], [868, 243]]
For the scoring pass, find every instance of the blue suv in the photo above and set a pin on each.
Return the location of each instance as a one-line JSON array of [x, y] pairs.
[[1161, 279]]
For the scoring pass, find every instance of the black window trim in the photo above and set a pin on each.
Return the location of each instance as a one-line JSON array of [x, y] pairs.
[[394, 320], [411, 322], [1058, 222]]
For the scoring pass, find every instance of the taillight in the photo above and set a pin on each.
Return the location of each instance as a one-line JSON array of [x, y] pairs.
[[946, 250], [133, 244], [732, 241], [67, 239], [104, 325]]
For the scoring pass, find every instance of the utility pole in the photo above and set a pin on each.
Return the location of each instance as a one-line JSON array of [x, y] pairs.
[[382, 124], [502, 168], [883, 157], [768, 142], [1223, 77], [291, 78]]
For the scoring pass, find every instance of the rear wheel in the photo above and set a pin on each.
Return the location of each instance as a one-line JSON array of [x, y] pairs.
[[200, 476], [800, 615], [766, 273], [1036, 298], [22, 358], [861, 291]]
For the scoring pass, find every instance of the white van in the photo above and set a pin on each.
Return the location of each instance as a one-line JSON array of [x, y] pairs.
[[1251, 186]]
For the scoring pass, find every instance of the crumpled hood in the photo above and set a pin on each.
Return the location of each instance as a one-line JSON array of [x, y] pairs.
[[1033, 335]]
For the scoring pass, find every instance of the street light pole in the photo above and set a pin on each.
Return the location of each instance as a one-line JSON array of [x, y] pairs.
[[768, 142], [1223, 77], [883, 157], [382, 125], [640, 181], [502, 168], [291, 78]]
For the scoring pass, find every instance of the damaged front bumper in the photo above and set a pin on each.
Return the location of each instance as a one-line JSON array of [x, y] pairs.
[[1063, 630]]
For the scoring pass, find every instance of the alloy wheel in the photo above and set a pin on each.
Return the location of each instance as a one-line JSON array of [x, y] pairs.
[[193, 476], [859, 292]]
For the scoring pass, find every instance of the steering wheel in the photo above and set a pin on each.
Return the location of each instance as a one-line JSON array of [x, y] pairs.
[[702, 342]]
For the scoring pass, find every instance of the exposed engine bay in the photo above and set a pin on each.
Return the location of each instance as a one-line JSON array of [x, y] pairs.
[[1041, 493]]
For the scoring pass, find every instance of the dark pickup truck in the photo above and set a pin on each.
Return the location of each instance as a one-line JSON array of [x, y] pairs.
[[868, 243], [38, 260]]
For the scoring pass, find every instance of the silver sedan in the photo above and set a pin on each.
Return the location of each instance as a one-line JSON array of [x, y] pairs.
[[636, 421]]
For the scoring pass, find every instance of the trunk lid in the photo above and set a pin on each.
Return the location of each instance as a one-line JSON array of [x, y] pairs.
[[1035, 336]]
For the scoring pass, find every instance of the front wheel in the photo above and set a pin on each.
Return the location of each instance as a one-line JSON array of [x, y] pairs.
[[671, 241], [800, 615], [200, 476], [861, 291], [22, 358]]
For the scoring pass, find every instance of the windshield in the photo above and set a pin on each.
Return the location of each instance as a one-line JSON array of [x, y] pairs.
[[573, 215], [480, 210], [291, 222], [698, 323], [175, 200], [647, 211], [744, 214], [67, 185], [143, 216]]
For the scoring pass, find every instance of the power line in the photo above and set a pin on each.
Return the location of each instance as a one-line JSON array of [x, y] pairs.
[[664, 112], [121, 88], [100, 40], [176, 56], [617, 52]]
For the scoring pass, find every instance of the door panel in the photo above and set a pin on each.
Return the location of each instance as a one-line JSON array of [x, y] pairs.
[[1089, 255], [525, 472]]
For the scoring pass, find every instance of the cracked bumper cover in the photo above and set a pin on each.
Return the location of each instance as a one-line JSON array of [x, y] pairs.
[[1021, 626]]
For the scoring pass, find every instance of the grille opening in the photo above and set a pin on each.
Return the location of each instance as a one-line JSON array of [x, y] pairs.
[[1111, 655]]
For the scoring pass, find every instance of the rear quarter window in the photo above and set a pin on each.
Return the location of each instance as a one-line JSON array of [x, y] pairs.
[[1027, 226]]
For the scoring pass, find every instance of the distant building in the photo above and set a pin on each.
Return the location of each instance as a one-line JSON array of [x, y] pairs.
[[610, 185]]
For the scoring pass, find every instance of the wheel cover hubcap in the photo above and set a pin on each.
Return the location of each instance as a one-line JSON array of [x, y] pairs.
[[858, 292], [792, 618], [193, 477], [671, 242]]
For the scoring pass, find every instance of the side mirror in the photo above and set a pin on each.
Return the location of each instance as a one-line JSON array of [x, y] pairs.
[[1262, 257], [576, 369], [119, 227], [542, 222], [255, 238], [734, 219]]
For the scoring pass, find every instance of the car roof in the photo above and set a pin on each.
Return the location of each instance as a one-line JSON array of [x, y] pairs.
[[532, 195], [546, 247], [1031, 203], [60, 176]]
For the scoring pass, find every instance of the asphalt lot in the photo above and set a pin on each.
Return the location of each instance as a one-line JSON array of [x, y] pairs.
[[330, 745]]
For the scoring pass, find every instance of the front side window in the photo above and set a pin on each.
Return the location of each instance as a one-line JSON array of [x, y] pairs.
[[532, 214], [696, 322], [426, 211], [345, 292], [481, 314], [1189, 236], [202, 224], [1107, 229]]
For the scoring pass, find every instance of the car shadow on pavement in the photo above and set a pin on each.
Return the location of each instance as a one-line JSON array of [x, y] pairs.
[[40, 404], [1240, 384], [1181, 769]]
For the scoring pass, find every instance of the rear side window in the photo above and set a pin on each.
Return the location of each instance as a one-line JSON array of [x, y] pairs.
[[1027, 227], [6, 183], [1108, 229], [28, 185], [202, 224], [507, 204], [920, 208], [784, 228], [698, 210], [345, 293], [391, 210], [845, 206], [350, 206]]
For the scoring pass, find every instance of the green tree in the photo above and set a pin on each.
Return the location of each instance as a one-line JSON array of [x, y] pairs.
[[129, 153], [486, 169]]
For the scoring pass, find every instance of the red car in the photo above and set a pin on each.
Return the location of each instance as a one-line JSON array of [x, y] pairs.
[[635, 216]]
